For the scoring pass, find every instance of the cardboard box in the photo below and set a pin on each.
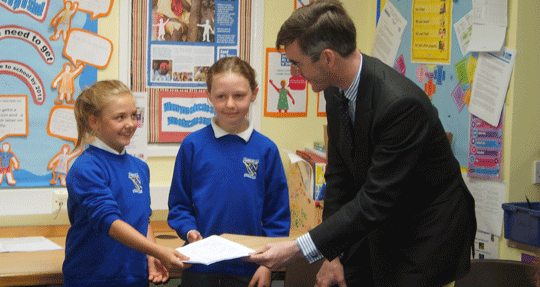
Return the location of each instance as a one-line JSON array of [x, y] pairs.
[[306, 213], [521, 223]]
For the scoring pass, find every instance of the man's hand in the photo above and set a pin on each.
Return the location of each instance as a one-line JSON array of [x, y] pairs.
[[276, 255], [330, 274]]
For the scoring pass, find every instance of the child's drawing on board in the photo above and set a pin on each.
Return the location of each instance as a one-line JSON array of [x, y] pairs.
[[283, 103]]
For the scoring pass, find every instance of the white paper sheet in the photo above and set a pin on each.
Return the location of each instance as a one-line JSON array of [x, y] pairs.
[[27, 244], [388, 35], [489, 28], [486, 38], [463, 29], [213, 249], [491, 79], [489, 196]]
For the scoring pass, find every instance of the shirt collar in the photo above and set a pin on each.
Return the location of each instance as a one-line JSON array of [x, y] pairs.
[[352, 91], [219, 132], [99, 144]]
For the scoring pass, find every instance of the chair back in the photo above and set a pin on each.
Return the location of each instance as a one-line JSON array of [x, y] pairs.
[[301, 273], [498, 273]]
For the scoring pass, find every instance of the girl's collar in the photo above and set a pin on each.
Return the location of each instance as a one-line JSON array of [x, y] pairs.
[[99, 144], [219, 132]]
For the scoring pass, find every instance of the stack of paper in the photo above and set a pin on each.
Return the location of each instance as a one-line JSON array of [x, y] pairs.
[[213, 249]]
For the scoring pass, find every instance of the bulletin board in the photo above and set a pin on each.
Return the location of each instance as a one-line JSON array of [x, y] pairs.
[[440, 79], [50, 52], [181, 35]]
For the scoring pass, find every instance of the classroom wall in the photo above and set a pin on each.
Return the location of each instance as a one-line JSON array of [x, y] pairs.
[[521, 125], [298, 133]]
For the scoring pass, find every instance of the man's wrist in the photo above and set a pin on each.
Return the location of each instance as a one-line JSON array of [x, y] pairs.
[[308, 248]]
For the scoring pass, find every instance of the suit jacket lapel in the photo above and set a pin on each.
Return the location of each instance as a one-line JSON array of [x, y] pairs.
[[363, 116]]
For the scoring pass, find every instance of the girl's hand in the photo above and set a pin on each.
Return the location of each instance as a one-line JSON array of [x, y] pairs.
[[193, 235], [261, 278], [172, 259], [157, 273]]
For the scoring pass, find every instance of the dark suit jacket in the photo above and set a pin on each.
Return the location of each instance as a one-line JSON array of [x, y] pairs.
[[396, 208]]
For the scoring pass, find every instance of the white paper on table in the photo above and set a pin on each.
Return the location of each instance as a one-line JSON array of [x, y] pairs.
[[491, 79], [27, 244], [489, 28], [489, 196], [388, 35], [213, 249]]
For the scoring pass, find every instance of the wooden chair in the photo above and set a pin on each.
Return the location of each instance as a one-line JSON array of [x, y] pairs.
[[498, 273]]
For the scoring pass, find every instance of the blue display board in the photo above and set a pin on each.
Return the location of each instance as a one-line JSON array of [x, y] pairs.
[[443, 83], [31, 65]]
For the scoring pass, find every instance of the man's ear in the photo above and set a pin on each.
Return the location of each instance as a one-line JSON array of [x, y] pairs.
[[329, 57]]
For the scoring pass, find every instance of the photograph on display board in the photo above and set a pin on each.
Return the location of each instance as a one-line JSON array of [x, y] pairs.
[[188, 36]]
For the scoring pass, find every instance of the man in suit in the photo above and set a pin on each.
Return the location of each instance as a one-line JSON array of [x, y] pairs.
[[396, 211]]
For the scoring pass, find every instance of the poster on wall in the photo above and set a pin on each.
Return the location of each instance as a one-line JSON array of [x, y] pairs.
[[285, 94], [301, 3], [182, 113], [50, 51], [445, 76], [485, 152], [321, 105], [138, 146], [431, 31], [486, 245], [184, 40], [388, 35]]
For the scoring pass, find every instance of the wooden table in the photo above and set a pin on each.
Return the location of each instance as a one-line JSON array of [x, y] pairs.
[[45, 267]]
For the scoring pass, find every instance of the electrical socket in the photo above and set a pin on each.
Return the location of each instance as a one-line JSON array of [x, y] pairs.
[[536, 172], [59, 202]]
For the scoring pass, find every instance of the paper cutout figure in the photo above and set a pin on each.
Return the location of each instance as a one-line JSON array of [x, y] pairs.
[[283, 104], [60, 164], [65, 82], [62, 20], [161, 28], [207, 30], [8, 162]]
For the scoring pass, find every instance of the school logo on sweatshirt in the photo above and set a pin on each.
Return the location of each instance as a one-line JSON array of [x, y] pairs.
[[251, 167], [136, 182]]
